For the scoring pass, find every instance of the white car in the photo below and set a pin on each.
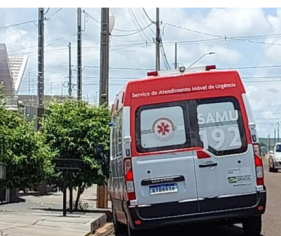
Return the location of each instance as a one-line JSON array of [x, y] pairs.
[[274, 160]]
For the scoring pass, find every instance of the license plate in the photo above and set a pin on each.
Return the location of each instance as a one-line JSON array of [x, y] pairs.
[[163, 188]]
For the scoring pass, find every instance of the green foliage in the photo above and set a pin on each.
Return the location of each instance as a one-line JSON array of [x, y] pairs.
[[2, 98], [24, 151], [72, 129]]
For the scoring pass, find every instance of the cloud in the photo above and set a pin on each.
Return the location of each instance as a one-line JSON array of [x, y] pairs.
[[222, 53], [132, 49], [273, 90]]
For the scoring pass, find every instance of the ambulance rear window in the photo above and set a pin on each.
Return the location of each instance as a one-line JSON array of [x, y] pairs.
[[215, 124], [220, 125], [162, 127]]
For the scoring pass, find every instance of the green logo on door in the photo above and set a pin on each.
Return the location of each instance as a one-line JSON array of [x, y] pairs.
[[232, 179]]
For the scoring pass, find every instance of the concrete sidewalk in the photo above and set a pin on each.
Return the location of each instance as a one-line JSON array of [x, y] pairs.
[[42, 216]]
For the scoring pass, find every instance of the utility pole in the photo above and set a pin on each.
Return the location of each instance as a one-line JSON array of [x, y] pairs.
[[104, 57], [70, 174], [40, 79], [29, 83], [278, 131], [269, 147], [79, 54], [40, 91], [158, 40], [69, 74], [176, 55], [274, 134], [102, 200], [40, 75]]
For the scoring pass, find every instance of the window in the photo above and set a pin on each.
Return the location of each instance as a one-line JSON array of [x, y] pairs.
[[220, 126], [278, 148], [113, 145], [117, 135], [215, 124], [162, 127]]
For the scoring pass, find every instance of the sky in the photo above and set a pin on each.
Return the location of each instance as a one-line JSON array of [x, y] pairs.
[[245, 39]]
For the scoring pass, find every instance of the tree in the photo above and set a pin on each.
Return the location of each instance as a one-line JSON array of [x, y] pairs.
[[72, 129], [23, 150]]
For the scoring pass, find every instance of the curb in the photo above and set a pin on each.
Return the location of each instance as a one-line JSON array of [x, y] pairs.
[[100, 222], [105, 230]]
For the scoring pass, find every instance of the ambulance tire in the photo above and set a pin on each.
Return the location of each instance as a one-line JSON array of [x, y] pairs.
[[119, 228], [130, 231], [252, 226]]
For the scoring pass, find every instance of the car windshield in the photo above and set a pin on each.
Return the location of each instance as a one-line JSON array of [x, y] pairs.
[[278, 148]]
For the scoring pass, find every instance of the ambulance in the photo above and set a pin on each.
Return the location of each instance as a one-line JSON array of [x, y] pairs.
[[184, 149]]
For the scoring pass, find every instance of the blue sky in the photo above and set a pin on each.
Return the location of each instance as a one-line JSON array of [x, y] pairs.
[[241, 38]]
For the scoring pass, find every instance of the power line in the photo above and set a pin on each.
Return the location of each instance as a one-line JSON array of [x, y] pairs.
[[148, 16], [56, 12], [167, 65], [47, 11], [116, 29], [220, 36], [122, 35], [137, 22], [248, 67], [133, 31], [86, 13], [17, 24], [260, 36], [194, 31], [146, 21]]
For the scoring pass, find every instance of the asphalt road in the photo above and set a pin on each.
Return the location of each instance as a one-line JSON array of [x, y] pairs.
[[271, 219]]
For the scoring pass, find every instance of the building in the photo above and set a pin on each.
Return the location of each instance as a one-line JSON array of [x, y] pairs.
[[11, 71]]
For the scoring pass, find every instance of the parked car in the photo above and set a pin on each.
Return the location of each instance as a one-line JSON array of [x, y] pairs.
[[274, 160]]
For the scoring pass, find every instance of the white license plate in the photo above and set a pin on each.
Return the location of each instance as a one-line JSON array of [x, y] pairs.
[[163, 188]]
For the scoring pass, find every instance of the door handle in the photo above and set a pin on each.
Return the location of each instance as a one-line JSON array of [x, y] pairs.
[[208, 164]]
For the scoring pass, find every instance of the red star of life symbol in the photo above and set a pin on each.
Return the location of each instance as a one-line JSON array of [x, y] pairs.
[[163, 128]]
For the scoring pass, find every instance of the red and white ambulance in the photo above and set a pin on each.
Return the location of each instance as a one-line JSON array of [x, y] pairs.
[[184, 149]]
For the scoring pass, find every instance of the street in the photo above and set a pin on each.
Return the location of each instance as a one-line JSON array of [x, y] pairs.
[[271, 219]]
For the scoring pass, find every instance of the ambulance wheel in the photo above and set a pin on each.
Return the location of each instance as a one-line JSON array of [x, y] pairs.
[[119, 228], [130, 231], [252, 226]]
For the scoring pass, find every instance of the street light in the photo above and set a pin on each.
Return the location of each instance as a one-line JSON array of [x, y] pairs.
[[111, 23], [208, 53]]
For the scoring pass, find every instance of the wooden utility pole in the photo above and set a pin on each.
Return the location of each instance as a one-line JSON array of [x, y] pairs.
[[269, 146], [79, 54], [176, 55], [40, 91], [104, 56], [69, 73], [158, 40], [102, 199]]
